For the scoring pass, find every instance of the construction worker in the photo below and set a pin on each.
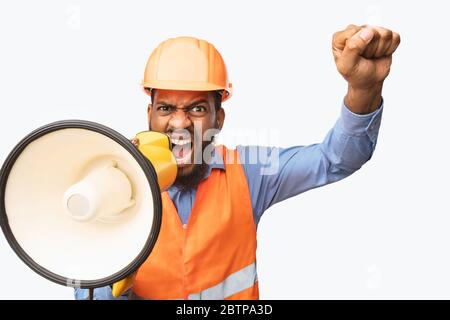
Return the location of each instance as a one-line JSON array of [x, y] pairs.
[[206, 248]]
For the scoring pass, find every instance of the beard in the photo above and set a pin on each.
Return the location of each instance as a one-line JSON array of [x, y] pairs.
[[192, 179]]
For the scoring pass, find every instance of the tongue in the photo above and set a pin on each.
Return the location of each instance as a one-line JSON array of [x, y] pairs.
[[178, 151]]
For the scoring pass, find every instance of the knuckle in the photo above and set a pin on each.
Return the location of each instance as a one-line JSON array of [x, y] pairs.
[[386, 34], [396, 37], [346, 73], [376, 34], [335, 36], [395, 42], [343, 69]]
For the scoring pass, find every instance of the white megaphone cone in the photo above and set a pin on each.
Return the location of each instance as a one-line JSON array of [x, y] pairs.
[[80, 204]]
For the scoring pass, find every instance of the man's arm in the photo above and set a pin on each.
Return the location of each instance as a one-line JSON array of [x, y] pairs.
[[281, 173], [363, 56]]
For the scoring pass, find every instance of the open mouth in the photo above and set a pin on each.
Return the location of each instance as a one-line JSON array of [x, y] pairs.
[[182, 150]]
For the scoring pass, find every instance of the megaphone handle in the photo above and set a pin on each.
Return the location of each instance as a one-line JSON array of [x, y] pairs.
[[91, 293]]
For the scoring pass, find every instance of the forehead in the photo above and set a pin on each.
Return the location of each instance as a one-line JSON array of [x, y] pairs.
[[180, 96]]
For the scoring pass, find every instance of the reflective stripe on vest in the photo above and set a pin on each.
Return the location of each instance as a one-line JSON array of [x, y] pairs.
[[238, 281], [234, 283]]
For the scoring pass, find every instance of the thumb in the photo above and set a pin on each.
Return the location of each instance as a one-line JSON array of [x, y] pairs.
[[354, 47]]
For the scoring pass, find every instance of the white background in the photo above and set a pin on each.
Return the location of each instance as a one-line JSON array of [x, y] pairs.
[[381, 233]]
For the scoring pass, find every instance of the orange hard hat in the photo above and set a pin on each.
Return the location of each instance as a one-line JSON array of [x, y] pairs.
[[186, 63]]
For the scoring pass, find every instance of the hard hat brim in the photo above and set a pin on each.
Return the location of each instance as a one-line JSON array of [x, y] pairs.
[[188, 86]]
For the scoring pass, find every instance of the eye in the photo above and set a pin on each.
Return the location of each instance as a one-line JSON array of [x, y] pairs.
[[198, 109], [163, 110]]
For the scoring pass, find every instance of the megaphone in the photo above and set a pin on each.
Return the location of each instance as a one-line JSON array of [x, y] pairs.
[[80, 204]]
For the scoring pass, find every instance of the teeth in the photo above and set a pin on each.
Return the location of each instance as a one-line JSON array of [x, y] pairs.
[[179, 142]]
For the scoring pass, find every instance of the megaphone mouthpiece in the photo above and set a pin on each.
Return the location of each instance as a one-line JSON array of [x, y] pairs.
[[103, 193]]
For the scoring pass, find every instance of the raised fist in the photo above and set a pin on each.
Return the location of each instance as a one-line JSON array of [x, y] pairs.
[[363, 54]]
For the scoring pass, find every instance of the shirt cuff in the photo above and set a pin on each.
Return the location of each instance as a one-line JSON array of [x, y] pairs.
[[359, 124]]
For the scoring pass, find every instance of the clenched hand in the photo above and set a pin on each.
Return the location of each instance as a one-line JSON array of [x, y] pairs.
[[363, 56]]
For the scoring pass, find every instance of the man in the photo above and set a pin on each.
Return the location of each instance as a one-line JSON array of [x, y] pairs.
[[207, 245]]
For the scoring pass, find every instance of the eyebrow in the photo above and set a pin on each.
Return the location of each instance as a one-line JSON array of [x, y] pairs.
[[201, 100]]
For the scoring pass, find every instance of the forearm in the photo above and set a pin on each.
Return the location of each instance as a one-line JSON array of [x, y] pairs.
[[346, 147], [363, 101]]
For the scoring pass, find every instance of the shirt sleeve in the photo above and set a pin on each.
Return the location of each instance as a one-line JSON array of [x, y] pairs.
[[275, 174], [103, 293]]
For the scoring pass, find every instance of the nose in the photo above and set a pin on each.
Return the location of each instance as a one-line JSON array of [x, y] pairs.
[[179, 120]]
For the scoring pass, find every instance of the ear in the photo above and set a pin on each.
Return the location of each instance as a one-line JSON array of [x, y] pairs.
[[220, 118], [147, 91], [149, 113]]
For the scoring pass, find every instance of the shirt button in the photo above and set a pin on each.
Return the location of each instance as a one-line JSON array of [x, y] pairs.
[[185, 226]]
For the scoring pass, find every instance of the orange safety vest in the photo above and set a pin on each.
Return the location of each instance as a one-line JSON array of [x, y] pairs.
[[213, 256]]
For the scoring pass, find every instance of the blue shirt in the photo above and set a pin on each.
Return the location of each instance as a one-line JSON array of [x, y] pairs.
[[282, 173]]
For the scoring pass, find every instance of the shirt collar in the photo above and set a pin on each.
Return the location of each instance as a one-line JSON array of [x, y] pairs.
[[216, 163], [217, 160]]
